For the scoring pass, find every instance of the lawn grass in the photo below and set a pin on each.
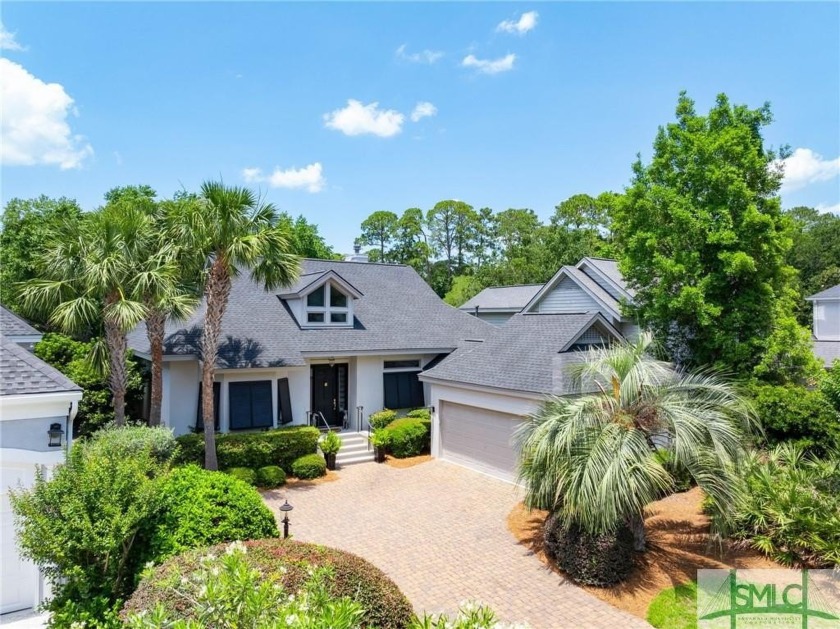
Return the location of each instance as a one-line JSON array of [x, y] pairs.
[[675, 608]]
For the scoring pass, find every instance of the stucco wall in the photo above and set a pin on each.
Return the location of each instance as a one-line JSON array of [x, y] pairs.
[[29, 434], [181, 380]]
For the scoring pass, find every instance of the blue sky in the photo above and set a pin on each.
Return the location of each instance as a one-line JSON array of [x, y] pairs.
[[525, 104]]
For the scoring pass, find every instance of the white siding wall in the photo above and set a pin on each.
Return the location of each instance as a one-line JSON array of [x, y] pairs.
[[568, 297], [827, 320]]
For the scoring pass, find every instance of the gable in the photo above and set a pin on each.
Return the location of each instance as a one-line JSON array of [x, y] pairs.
[[567, 297], [599, 279]]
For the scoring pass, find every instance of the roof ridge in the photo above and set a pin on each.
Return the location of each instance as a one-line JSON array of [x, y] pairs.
[[395, 264], [43, 367]]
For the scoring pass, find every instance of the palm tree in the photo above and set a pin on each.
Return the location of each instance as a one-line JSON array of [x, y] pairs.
[[590, 458], [230, 230], [88, 272]]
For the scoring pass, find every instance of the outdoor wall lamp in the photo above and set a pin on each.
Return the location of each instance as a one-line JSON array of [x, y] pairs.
[[56, 433], [285, 508]]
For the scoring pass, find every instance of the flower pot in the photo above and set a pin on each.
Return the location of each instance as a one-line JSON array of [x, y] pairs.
[[379, 454], [330, 459]]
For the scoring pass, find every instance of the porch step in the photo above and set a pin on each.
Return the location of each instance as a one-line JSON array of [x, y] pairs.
[[354, 449]]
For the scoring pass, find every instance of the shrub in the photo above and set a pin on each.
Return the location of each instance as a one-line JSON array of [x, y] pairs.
[[281, 446], [600, 560], [330, 443], [201, 508], [271, 476], [790, 507], [286, 562], [382, 418], [682, 480], [309, 466], [420, 413], [830, 385], [408, 437], [225, 591], [83, 526], [791, 413], [245, 474], [469, 616], [674, 608]]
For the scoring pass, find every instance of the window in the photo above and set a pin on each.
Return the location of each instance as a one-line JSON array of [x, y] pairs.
[[402, 364], [250, 405], [327, 305], [403, 389]]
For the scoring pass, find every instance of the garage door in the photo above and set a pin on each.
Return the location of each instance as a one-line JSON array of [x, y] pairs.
[[479, 439], [19, 578]]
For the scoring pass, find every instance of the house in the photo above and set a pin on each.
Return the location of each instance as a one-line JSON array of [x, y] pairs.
[[37, 407], [827, 324], [482, 391], [346, 340]]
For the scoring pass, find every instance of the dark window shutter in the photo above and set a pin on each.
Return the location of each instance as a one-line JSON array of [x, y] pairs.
[[284, 400], [403, 390], [261, 405], [239, 405]]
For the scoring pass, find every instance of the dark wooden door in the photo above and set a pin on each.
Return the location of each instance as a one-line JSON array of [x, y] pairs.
[[326, 387]]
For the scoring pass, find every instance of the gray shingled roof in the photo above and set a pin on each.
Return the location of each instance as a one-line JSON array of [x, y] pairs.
[[519, 357], [609, 268], [503, 297], [13, 325], [398, 311], [22, 373], [827, 351], [828, 293]]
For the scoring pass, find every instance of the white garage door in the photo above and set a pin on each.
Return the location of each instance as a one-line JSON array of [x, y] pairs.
[[479, 439], [19, 582]]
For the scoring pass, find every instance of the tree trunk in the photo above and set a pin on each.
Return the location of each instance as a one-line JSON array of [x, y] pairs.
[[217, 293], [155, 330], [637, 525], [117, 347]]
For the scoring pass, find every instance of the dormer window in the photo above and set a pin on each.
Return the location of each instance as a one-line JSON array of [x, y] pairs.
[[327, 305]]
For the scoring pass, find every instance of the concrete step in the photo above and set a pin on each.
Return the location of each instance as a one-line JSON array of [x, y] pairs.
[[353, 459]]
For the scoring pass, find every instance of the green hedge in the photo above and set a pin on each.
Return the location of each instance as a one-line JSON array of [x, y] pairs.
[[408, 437], [382, 418], [281, 446], [309, 466], [271, 476], [200, 508], [245, 474], [420, 413]]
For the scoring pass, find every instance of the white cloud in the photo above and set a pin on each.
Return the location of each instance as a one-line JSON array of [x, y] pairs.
[[805, 167], [358, 119], [7, 40], [526, 22], [828, 209], [34, 123], [424, 56], [309, 177], [490, 66], [422, 110]]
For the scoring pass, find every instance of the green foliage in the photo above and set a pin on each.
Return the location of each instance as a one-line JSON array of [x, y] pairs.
[[790, 506], [703, 240], [469, 616], [601, 559], [288, 563], [83, 526], [408, 437], [271, 476], [379, 438], [791, 413], [200, 508], [815, 253], [245, 474], [72, 358], [309, 466], [674, 608], [420, 413], [464, 288], [99, 612], [304, 238], [330, 443], [27, 225], [682, 480], [378, 230], [830, 385], [382, 418], [281, 446], [589, 458], [226, 591]]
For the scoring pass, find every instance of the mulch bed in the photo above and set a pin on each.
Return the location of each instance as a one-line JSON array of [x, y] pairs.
[[407, 462], [678, 545]]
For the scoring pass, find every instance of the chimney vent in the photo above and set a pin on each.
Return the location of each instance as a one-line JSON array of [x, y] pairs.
[[357, 248]]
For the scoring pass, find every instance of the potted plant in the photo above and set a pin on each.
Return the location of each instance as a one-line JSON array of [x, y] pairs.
[[379, 441], [330, 445]]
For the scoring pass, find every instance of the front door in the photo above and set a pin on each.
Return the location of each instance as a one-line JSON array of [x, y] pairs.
[[329, 392]]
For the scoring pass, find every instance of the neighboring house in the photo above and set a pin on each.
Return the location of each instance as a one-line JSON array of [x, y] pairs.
[[347, 339], [827, 324], [497, 304], [37, 407], [483, 391]]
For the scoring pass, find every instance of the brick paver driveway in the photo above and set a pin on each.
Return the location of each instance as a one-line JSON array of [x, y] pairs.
[[439, 531]]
